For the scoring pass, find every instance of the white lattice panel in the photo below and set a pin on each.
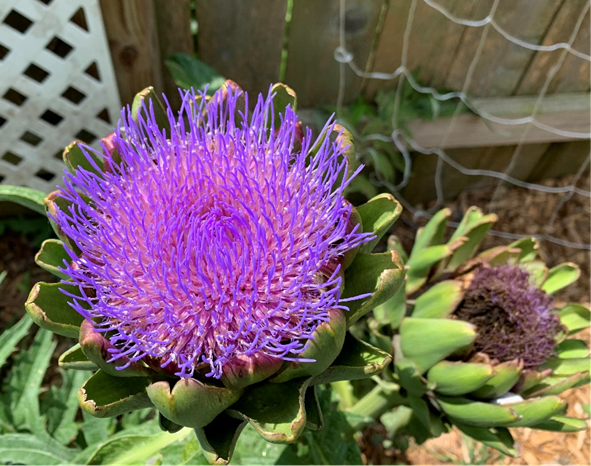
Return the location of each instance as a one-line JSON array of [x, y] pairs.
[[56, 85]]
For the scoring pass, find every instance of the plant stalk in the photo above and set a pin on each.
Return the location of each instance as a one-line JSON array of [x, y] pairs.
[[378, 401]]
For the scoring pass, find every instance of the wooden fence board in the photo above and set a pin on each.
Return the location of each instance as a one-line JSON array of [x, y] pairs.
[[568, 112], [242, 39], [133, 40], [311, 68], [174, 35], [501, 62], [573, 75], [561, 159]]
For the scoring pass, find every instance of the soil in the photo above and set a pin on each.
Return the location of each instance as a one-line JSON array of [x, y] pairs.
[[520, 211]]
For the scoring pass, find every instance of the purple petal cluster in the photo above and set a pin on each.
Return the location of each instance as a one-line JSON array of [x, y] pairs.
[[219, 237], [513, 318]]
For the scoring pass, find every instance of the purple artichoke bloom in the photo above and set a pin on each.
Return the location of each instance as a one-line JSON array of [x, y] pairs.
[[513, 318], [220, 238]]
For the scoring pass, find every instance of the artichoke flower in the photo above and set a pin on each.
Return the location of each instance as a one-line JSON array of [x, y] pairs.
[[210, 266], [476, 339]]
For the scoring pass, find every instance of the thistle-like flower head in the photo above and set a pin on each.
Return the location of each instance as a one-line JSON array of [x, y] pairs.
[[513, 318], [218, 238]]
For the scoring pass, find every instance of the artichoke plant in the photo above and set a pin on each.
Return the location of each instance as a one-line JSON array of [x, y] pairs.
[[477, 341], [210, 266]]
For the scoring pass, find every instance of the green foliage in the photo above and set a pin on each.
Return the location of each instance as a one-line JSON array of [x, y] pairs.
[[35, 229], [189, 72]]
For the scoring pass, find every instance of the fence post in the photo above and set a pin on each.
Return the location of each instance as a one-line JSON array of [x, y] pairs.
[[133, 40]]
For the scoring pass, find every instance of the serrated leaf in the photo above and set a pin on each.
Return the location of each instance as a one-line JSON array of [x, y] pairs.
[[428, 341], [377, 216], [134, 449], [10, 337], [439, 301], [103, 395], [49, 308], [26, 411], [380, 274], [358, 360], [561, 276], [27, 197], [51, 256], [33, 450]]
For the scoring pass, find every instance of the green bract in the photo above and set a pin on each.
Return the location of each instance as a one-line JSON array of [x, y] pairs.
[[277, 398], [439, 375]]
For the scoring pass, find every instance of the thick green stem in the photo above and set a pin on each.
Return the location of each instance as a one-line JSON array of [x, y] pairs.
[[377, 402]]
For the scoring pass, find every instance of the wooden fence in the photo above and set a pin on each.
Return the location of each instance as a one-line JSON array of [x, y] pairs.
[[246, 40]]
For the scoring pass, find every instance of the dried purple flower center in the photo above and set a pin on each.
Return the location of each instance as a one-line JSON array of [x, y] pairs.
[[513, 318], [207, 243]]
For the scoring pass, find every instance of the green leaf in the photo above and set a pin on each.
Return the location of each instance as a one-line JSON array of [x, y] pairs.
[[562, 424], [572, 348], [380, 274], [190, 402], [477, 413], [377, 216], [358, 360], [392, 311], [26, 412], [361, 184], [439, 301], [459, 378], [49, 308], [428, 341], [74, 358], [27, 197], [147, 101], [103, 395], [284, 96], [10, 337], [323, 348], [473, 226], [432, 233], [189, 72], [51, 256], [419, 265], [575, 317], [529, 248], [135, 449], [76, 158], [314, 418], [534, 411], [566, 366], [33, 450], [409, 377], [276, 411], [498, 438], [218, 439], [506, 376], [560, 276]]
